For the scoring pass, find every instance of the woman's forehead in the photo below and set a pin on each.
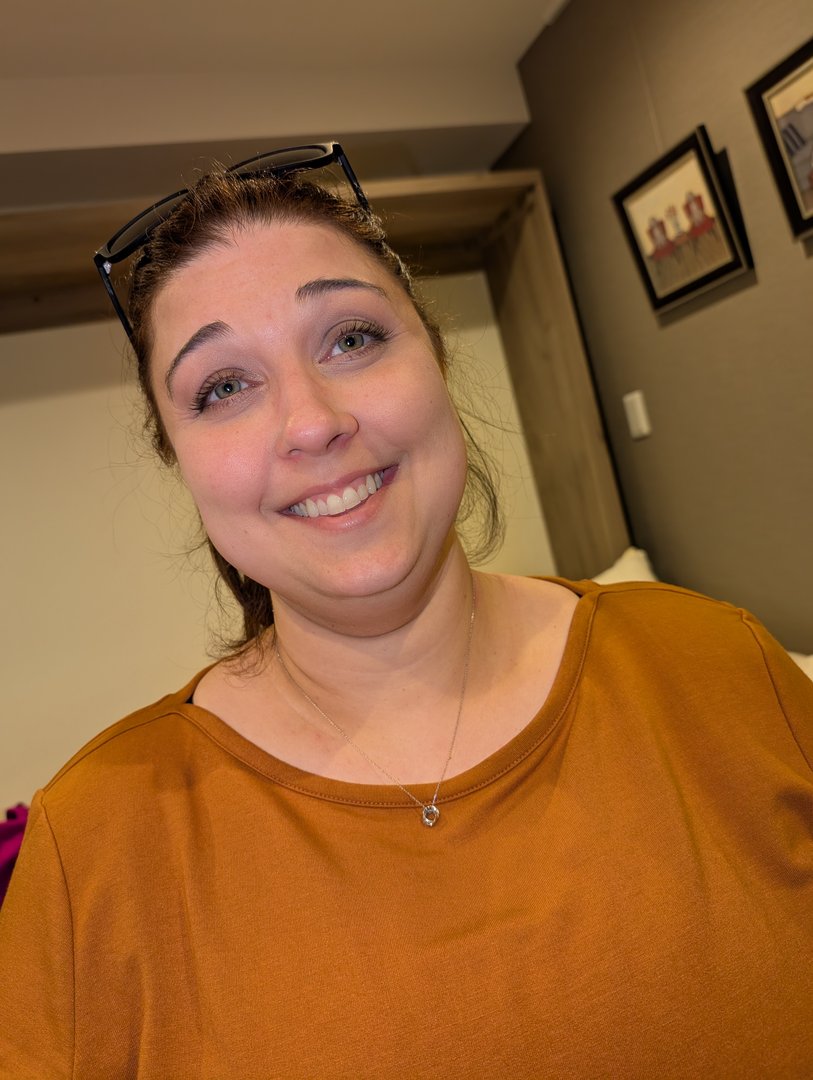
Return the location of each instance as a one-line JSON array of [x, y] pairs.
[[279, 263], [282, 249]]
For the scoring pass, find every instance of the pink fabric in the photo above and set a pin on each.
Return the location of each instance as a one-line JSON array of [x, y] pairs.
[[11, 836]]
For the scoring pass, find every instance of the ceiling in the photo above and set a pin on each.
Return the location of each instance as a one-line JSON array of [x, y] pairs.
[[113, 100], [55, 39], [116, 103]]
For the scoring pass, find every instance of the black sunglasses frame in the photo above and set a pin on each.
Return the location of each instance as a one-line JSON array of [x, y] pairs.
[[324, 154]]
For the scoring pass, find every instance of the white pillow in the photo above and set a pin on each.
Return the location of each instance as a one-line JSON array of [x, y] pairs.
[[633, 565], [804, 662]]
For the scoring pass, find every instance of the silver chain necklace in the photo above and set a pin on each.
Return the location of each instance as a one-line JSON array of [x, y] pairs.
[[430, 812]]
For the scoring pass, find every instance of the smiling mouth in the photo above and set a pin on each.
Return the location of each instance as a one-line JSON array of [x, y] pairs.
[[333, 504]]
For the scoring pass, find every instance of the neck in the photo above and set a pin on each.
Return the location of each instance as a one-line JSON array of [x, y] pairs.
[[406, 674]]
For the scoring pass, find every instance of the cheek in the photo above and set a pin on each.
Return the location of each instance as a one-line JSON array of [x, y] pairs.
[[222, 477], [432, 423], [451, 448], [441, 419]]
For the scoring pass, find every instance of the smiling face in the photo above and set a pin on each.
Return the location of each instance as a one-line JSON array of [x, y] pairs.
[[309, 416]]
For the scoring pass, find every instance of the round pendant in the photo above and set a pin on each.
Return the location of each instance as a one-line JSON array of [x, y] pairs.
[[429, 815]]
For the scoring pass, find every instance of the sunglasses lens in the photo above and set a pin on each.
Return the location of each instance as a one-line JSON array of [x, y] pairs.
[[138, 230], [331, 169], [298, 157]]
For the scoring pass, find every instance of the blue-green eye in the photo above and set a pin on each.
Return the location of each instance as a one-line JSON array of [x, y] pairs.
[[218, 391], [358, 336], [352, 341], [227, 388]]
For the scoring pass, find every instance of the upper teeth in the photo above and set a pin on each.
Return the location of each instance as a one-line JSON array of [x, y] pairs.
[[330, 505]]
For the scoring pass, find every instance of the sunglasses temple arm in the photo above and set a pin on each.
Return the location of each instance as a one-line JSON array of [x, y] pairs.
[[114, 300], [353, 179]]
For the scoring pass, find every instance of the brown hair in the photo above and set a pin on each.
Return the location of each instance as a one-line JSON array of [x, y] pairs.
[[220, 203]]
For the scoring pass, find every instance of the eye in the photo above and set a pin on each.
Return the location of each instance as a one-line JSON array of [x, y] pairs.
[[227, 388], [352, 341], [219, 390], [358, 337]]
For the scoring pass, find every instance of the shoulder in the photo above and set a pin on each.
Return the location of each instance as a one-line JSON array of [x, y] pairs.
[[148, 742], [656, 607], [647, 610], [661, 627], [669, 628], [689, 656], [642, 621]]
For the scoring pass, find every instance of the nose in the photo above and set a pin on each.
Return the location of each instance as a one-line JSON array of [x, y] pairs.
[[313, 419]]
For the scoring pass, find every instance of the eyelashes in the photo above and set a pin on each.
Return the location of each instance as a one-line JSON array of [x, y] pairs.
[[230, 381], [360, 328], [353, 339]]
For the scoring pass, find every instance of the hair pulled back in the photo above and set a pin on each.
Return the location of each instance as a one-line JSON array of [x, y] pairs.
[[220, 204]]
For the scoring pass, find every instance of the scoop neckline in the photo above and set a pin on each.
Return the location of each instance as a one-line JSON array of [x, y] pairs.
[[537, 731]]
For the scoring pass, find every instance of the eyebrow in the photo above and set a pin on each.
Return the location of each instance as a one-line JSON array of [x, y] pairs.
[[213, 331], [320, 286]]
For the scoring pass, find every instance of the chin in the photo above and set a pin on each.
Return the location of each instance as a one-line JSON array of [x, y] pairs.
[[410, 572], [372, 578], [400, 579]]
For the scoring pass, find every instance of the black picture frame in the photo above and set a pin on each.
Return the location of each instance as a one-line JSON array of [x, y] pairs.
[[782, 105], [682, 220]]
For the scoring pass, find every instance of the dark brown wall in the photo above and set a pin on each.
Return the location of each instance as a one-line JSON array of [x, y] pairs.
[[721, 494]]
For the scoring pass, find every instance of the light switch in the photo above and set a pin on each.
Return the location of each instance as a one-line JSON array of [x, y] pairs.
[[637, 416]]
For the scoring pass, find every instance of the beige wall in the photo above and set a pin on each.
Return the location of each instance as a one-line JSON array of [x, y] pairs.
[[480, 376], [102, 610], [721, 494]]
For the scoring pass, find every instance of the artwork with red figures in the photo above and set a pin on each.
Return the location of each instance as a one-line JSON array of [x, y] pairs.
[[682, 221]]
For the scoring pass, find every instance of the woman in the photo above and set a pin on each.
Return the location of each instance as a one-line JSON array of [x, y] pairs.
[[425, 822]]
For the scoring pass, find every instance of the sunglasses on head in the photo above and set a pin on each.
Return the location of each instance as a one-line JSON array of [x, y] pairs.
[[136, 233]]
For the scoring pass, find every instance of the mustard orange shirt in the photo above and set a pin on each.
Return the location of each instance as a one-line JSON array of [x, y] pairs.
[[625, 890]]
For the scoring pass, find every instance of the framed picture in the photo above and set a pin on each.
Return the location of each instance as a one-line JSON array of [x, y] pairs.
[[782, 104], [683, 222]]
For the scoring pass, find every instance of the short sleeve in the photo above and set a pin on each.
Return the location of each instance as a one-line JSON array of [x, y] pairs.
[[794, 690], [36, 961]]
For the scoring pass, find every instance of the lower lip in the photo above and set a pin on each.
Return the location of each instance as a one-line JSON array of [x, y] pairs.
[[356, 515]]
